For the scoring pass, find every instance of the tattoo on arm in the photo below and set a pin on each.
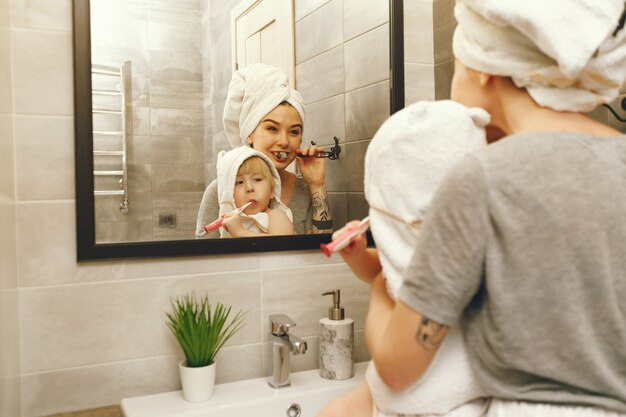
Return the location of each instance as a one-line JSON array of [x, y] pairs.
[[429, 333], [321, 212]]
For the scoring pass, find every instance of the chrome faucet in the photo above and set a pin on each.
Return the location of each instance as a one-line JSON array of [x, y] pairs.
[[282, 344]]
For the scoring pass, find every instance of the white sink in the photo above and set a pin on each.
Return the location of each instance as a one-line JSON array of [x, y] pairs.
[[252, 397]]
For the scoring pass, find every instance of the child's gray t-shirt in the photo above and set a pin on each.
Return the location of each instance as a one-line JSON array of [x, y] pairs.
[[527, 241]]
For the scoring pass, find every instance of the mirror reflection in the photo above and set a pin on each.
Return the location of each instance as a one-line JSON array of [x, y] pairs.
[[161, 72]]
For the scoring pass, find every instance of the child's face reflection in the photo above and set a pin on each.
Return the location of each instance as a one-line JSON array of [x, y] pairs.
[[253, 187]]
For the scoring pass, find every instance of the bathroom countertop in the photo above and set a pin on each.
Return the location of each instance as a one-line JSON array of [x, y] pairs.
[[109, 411]]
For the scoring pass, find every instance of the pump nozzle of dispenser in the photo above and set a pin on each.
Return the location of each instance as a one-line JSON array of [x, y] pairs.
[[336, 312]]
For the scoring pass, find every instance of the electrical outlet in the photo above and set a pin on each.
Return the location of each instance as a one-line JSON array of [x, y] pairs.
[[167, 220]]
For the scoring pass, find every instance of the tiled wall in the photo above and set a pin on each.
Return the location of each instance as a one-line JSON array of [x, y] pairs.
[[93, 333], [429, 63], [9, 319], [342, 72], [162, 40]]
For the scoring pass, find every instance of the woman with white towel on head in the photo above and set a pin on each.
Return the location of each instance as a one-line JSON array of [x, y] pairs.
[[263, 112], [524, 240]]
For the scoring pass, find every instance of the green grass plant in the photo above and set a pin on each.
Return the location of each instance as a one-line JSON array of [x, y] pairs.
[[200, 330]]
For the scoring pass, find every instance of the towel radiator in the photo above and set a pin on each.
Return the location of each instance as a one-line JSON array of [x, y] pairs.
[[116, 111]]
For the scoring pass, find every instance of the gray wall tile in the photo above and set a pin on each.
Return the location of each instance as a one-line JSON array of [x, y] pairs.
[[175, 177], [360, 16], [331, 65], [324, 120], [319, 31], [366, 109], [361, 65], [177, 150]]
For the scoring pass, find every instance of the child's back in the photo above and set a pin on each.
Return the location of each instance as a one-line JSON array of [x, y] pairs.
[[405, 162]]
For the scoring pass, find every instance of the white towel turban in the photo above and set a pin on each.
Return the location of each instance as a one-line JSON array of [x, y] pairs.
[[563, 52], [255, 91], [405, 162]]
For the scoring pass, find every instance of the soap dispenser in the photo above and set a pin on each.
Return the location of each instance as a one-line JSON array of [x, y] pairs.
[[336, 341]]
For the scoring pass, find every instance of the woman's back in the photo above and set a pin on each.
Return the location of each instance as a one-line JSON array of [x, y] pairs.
[[548, 323]]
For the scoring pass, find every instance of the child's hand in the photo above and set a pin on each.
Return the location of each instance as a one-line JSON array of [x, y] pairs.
[[355, 249], [232, 223]]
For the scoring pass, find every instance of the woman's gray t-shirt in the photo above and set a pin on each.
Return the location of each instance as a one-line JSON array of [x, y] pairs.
[[300, 206], [526, 241]]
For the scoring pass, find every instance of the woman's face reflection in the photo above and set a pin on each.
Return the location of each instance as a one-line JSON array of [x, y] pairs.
[[278, 135]]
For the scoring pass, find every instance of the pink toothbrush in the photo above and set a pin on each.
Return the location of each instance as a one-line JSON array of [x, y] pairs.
[[218, 223], [346, 238]]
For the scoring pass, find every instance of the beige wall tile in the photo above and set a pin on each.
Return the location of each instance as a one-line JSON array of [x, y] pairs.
[[359, 16], [331, 65], [9, 360], [444, 25], [419, 82], [80, 325], [7, 173], [8, 256], [74, 389], [44, 158], [46, 247], [319, 31], [443, 79], [418, 32], [42, 81], [6, 98], [362, 66], [303, 7], [284, 290], [296, 259], [9, 314], [366, 109], [42, 14]]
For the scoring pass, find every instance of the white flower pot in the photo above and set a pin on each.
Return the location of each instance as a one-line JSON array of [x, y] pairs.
[[198, 383]]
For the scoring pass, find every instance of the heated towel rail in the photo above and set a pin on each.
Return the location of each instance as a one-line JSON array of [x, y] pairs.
[[109, 103]]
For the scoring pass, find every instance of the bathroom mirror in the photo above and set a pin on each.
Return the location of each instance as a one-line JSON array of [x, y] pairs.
[[173, 144]]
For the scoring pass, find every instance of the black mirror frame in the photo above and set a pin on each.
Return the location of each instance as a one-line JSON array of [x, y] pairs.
[[88, 249]]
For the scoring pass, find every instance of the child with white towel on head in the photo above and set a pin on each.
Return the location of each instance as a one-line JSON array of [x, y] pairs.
[[405, 161], [245, 175]]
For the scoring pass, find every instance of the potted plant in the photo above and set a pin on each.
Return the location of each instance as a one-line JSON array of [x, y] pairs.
[[201, 332]]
